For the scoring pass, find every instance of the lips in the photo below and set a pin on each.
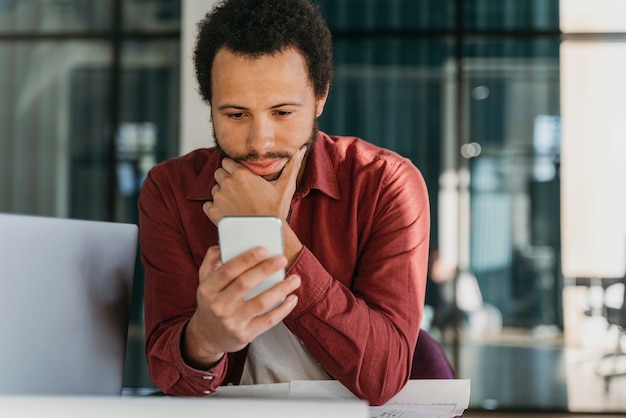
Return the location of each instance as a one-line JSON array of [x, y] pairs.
[[264, 168]]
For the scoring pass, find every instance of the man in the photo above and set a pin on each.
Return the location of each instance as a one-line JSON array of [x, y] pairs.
[[355, 223]]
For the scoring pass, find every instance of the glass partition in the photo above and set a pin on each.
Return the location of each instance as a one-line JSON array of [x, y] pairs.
[[55, 16], [476, 104], [36, 121], [509, 294], [477, 108], [151, 15]]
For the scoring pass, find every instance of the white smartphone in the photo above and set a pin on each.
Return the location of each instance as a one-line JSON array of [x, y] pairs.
[[238, 234]]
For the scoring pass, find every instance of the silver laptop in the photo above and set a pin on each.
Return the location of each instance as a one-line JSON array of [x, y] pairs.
[[65, 291]]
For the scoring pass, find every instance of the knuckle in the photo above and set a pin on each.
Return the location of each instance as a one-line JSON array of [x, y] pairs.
[[229, 271], [214, 214], [204, 270], [204, 293], [240, 336], [271, 320], [215, 309], [228, 181], [265, 303], [252, 257], [238, 333], [244, 284]]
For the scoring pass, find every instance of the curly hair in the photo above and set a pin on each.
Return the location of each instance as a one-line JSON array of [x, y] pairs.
[[264, 27]]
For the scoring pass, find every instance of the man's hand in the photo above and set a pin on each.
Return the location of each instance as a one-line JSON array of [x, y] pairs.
[[240, 192], [223, 322]]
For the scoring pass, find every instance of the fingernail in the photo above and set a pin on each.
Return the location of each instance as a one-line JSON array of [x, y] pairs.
[[295, 280], [292, 300]]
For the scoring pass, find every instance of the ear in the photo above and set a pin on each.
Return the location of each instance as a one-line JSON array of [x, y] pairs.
[[320, 102]]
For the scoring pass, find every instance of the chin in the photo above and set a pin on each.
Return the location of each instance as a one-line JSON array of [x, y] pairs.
[[272, 177]]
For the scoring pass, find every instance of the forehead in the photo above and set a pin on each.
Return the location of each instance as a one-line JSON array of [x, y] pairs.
[[286, 68]]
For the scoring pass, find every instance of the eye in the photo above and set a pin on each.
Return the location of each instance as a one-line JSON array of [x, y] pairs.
[[236, 116], [283, 113]]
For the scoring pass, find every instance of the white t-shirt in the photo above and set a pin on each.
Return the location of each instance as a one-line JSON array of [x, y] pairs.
[[278, 356]]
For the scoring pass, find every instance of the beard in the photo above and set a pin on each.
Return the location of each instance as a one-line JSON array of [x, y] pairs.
[[254, 156]]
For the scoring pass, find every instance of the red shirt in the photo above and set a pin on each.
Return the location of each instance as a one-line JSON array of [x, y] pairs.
[[362, 214]]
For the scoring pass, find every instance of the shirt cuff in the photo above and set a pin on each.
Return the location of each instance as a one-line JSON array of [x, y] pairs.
[[204, 382]]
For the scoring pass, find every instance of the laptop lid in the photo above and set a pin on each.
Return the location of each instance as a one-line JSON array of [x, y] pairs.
[[65, 291]]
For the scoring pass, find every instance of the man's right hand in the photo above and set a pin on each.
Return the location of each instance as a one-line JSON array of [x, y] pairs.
[[223, 322]]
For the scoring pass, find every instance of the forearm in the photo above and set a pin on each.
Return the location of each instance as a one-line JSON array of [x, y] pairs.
[[367, 346], [363, 284]]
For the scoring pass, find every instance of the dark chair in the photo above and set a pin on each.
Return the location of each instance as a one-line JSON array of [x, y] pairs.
[[430, 360], [615, 314]]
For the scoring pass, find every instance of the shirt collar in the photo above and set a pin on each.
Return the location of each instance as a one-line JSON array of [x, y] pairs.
[[203, 184], [319, 173]]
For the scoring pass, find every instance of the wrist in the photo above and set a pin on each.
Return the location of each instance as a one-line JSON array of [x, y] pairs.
[[191, 353]]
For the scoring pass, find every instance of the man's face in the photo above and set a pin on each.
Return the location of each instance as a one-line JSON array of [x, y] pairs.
[[263, 109]]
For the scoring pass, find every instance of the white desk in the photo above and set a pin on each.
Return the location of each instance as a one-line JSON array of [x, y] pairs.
[[301, 399], [169, 407]]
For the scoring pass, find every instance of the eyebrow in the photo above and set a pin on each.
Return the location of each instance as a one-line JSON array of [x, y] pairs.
[[232, 106]]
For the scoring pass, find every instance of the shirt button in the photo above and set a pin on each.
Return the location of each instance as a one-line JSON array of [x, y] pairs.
[[207, 377]]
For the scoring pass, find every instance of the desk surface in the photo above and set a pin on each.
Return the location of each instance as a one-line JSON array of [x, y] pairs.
[[301, 398], [167, 407]]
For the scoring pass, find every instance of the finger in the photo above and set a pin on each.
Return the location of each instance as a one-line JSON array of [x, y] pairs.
[[230, 272], [220, 174], [229, 165], [272, 297], [247, 280], [271, 318], [211, 262], [211, 211], [206, 207]]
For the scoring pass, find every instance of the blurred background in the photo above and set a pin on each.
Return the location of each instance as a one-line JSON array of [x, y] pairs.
[[512, 110]]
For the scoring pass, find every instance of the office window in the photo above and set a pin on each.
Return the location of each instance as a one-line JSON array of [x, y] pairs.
[[475, 103], [351, 15], [90, 103], [55, 16], [39, 81], [472, 94], [529, 16]]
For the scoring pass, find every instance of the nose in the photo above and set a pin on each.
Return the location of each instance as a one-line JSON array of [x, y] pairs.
[[260, 136]]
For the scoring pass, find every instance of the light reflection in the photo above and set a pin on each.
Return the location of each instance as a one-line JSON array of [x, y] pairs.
[[480, 92], [471, 150]]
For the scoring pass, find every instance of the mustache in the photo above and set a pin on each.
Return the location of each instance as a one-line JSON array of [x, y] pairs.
[[254, 156]]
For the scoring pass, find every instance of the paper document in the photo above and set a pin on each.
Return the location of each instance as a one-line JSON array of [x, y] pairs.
[[440, 398], [446, 398]]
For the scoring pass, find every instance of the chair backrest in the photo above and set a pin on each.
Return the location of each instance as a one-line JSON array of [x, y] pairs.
[[430, 360], [615, 303], [65, 291]]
